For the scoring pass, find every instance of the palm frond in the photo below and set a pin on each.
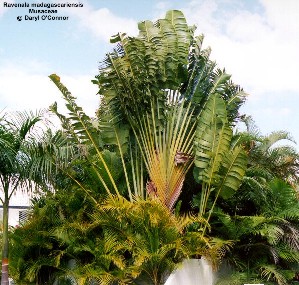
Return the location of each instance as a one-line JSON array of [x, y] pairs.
[[218, 167], [85, 132], [271, 273]]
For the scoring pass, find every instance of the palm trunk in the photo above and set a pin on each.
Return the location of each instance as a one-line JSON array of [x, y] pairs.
[[4, 277]]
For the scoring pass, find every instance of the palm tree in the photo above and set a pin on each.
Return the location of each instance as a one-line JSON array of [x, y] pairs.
[[138, 242], [262, 217], [118, 241], [154, 88], [272, 155], [165, 106], [41, 252], [265, 245], [158, 83], [18, 136]]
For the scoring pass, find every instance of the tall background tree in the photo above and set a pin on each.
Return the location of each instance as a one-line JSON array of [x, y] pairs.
[[19, 134], [262, 217]]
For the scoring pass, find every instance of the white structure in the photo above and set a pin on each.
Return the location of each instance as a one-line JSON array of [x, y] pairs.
[[192, 272], [18, 205]]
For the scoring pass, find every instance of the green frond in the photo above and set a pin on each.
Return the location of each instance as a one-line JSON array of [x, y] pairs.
[[85, 132], [233, 170], [275, 137], [82, 124], [288, 253], [135, 74], [211, 140], [219, 167], [272, 273], [183, 35]]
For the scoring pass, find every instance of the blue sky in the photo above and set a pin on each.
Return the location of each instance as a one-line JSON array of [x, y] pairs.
[[257, 41]]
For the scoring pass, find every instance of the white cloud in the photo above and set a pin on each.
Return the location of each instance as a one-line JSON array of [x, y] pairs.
[[163, 6], [30, 89], [247, 27], [102, 22], [277, 111], [283, 17], [259, 50], [200, 13]]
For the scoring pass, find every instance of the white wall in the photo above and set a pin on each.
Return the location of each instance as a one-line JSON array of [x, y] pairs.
[[19, 199]]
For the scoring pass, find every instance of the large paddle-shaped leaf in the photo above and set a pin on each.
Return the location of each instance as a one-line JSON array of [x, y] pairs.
[[218, 166], [232, 171], [212, 140]]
